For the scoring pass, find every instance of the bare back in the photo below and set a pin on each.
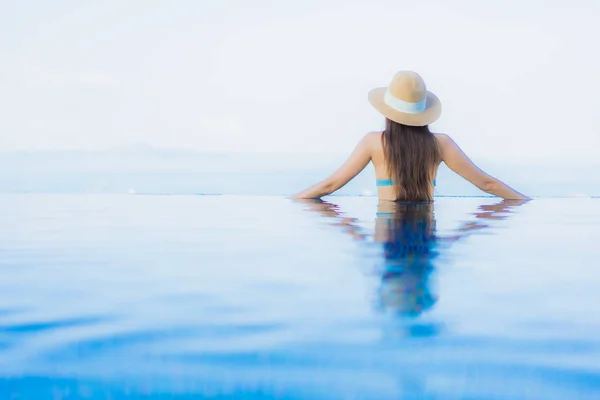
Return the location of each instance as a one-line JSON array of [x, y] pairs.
[[370, 149], [379, 162]]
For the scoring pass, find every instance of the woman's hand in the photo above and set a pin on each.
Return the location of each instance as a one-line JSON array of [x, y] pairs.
[[356, 162]]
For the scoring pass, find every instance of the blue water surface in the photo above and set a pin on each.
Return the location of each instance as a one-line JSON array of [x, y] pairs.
[[233, 297]]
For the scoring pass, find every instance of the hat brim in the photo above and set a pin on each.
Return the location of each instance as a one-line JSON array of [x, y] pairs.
[[432, 111]]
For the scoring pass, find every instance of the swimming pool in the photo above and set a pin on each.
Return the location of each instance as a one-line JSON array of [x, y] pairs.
[[116, 296]]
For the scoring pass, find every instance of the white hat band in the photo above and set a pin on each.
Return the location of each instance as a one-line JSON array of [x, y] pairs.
[[404, 106]]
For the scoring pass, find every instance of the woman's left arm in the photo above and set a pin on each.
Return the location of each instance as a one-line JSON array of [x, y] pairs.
[[356, 162]]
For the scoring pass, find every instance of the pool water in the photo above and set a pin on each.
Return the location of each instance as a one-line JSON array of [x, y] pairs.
[[227, 297]]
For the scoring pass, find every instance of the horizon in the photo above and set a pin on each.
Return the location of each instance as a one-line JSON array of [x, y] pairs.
[[337, 156]]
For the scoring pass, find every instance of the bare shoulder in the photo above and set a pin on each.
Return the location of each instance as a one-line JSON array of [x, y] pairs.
[[442, 137], [374, 136], [444, 141], [373, 139]]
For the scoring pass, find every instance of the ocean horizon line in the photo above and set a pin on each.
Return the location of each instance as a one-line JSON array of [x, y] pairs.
[[16, 193]]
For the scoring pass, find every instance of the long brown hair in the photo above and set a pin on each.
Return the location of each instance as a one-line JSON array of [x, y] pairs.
[[411, 153]]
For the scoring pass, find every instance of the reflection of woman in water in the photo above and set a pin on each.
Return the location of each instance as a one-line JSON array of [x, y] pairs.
[[410, 248], [408, 237]]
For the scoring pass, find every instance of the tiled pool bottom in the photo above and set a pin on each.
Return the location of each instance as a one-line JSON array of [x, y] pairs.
[[156, 297]]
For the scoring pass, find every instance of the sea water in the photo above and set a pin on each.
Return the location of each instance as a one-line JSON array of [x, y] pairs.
[[261, 297]]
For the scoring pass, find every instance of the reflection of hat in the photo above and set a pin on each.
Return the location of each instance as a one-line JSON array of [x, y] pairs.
[[406, 292], [406, 100]]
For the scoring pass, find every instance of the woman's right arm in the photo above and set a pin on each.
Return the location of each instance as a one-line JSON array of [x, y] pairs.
[[458, 162]]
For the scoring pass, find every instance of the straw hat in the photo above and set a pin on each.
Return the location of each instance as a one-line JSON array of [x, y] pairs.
[[407, 100]]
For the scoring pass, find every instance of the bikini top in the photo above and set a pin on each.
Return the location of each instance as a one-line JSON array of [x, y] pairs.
[[389, 182]]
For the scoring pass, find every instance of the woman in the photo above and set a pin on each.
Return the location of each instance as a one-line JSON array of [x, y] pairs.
[[406, 155]]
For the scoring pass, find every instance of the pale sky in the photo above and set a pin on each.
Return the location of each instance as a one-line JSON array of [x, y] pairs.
[[517, 78]]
